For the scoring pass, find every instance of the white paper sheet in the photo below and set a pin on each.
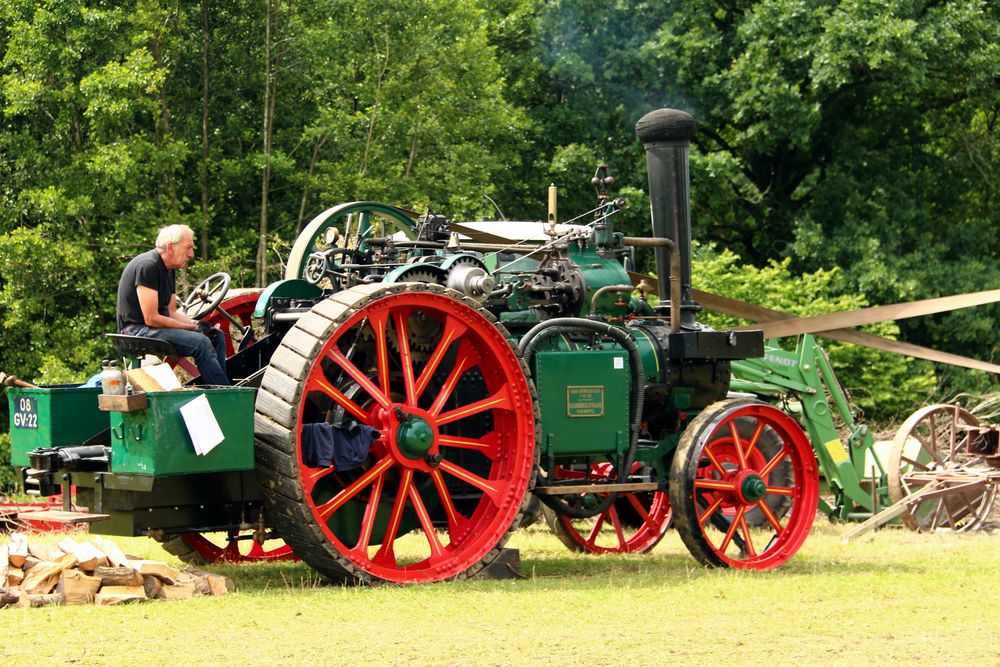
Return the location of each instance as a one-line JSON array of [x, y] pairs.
[[201, 424]]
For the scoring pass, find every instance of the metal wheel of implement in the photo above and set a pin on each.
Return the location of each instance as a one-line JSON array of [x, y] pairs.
[[711, 500], [932, 446], [199, 549], [634, 523], [445, 482]]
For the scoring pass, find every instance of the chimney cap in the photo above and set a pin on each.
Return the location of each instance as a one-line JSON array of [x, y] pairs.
[[665, 125]]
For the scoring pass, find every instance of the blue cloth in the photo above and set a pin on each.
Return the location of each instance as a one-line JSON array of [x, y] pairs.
[[345, 449], [94, 381], [211, 362]]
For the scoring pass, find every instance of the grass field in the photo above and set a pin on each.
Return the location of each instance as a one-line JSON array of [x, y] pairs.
[[895, 598]]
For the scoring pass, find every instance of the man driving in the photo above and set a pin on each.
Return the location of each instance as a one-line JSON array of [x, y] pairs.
[[147, 304]]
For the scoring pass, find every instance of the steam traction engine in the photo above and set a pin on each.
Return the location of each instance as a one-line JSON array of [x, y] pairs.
[[419, 382]]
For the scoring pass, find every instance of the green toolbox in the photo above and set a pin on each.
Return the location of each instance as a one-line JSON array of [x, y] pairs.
[[53, 416], [162, 439]]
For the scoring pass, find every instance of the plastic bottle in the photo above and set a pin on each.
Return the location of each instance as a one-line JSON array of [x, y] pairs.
[[112, 379]]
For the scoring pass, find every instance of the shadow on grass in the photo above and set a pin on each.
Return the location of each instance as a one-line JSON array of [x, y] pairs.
[[572, 571]]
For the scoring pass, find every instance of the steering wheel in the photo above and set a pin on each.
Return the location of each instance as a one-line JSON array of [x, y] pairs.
[[206, 296]]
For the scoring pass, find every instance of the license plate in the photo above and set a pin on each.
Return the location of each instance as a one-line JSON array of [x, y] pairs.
[[25, 413]]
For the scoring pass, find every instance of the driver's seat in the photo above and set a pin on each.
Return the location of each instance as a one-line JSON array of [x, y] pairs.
[[140, 346], [136, 347]]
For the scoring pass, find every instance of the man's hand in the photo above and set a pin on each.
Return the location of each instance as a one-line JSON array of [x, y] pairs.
[[208, 330]]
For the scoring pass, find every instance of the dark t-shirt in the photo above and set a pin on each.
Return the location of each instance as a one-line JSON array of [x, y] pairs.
[[149, 271]]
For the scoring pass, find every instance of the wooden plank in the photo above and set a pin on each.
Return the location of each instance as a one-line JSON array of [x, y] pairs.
[[43, 577], [17, 549], [177, 592], [118, 576], [129, 403], [115, 556], [154, 568], [61, 516], [78, 588], [891, 512], [109, 595], [43, 551]]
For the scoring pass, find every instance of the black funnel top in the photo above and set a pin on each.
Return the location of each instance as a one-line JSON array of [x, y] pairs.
[[665, 125]]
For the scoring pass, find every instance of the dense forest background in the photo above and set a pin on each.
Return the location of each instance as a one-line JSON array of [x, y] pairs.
[[847, 152]]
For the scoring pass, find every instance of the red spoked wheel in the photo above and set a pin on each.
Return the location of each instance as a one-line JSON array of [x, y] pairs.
[[199, 549], [634, 523], [442, 487], [711, 499], [240, 304]]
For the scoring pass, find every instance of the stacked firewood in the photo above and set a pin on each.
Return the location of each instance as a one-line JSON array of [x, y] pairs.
[[36, 574]]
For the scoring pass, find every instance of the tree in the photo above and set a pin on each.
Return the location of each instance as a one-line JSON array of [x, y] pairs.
[[851, 134]]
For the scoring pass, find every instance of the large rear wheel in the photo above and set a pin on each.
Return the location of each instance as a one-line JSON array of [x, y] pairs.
[[711, 500], [442, 486]]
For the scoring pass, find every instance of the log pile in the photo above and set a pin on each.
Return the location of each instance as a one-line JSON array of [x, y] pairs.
[[71, 572]]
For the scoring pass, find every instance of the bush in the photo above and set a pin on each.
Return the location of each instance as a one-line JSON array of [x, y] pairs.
[[884, 386]]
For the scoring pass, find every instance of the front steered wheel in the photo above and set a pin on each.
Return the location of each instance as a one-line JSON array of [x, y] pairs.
[[711, 500], [442, 486]]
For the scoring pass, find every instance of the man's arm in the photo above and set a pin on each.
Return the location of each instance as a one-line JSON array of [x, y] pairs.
[[148, 301]]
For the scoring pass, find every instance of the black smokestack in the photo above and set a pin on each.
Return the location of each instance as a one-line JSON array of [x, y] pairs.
[[667, 134]]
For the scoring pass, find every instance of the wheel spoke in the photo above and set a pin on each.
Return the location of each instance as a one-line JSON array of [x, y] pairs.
[[707, 514], [617, 525], [463, 362], [735, 435], [329, 507], [453, 330], [780, 490], [596, 531], [379, 322], [498, 401], [747, 540], [355, 374], [368, 521], [637, 506], [715, 463], [713, 485], [455, 520], [386, 553], [733, 526], [437, 549], [755, 438], [487, 445], [484, 485], [773, 463], [769, 515], [339, 398], [405, 358]]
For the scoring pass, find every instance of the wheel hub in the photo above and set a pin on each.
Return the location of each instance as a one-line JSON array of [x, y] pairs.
[[752, 488], [414, 437]]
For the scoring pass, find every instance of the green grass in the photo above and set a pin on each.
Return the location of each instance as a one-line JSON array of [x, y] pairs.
[[898, 597]]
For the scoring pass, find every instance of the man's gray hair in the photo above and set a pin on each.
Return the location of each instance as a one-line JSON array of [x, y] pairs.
[[172, 234]]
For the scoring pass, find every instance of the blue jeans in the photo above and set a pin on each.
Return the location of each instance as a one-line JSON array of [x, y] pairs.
[[211, 362]]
